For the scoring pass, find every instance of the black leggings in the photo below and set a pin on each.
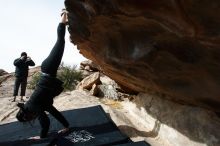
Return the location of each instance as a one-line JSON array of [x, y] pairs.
[[45, 122], [51, 64]]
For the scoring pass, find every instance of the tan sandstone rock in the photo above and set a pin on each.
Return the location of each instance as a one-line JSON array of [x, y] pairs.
[[167, 46], [88, 82]]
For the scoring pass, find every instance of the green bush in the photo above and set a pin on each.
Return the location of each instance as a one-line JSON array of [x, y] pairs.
[[69, 75], [32, 84]]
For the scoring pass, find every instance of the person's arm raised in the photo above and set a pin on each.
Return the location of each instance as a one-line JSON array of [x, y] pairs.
[[30, 62]]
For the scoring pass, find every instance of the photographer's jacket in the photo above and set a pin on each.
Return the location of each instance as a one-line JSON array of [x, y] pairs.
[[22, 67]]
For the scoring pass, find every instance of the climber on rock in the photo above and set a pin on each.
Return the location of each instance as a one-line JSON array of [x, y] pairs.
[[47, 88]]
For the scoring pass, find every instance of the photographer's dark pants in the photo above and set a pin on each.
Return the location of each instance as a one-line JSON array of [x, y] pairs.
[[20, 81]]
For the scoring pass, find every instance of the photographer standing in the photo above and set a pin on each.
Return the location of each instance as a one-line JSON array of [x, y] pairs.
[[21, 74]]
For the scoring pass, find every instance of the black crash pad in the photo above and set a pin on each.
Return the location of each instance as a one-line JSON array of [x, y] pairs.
[[92, 120], [90, 126]]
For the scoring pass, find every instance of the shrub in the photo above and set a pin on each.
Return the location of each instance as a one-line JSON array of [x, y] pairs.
[[32, 84], [69, 75]]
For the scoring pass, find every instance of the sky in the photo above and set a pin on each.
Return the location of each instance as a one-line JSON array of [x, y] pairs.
[[30, 26]]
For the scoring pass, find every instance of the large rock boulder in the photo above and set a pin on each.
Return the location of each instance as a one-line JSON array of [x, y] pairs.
[[179, 125], [88, 67], [3, 76], [2, 72], [108, 89], [168, 46], [89, 81], [100, 85]]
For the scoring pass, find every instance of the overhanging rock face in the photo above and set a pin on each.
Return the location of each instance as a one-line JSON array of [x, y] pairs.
[[168, 46]]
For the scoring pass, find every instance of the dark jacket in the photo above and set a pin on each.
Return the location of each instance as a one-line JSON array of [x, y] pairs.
[[22, 67], [42, 97]]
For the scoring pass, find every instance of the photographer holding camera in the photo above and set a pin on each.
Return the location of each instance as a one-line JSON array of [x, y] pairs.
[[21, 74]]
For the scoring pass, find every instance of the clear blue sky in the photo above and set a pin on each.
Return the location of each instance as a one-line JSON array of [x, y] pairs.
[[30, 26]]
